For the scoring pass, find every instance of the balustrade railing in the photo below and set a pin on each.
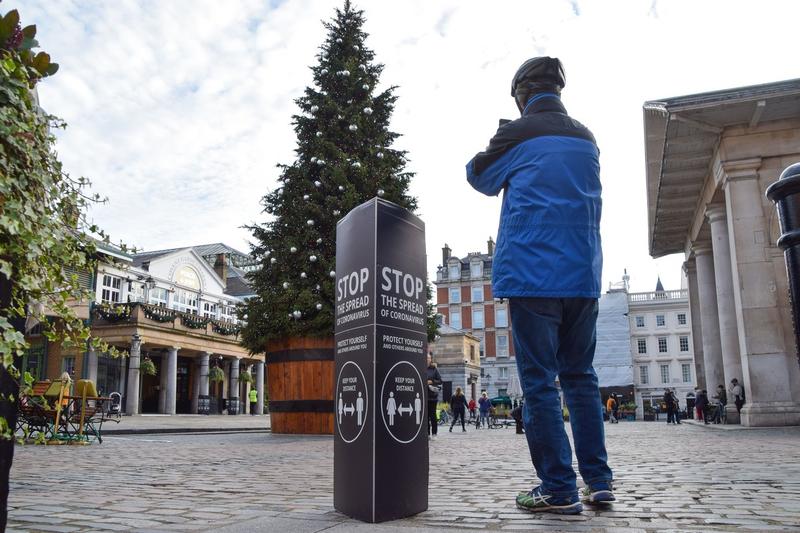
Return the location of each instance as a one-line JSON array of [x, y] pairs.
[[679, 294], [129, 312]]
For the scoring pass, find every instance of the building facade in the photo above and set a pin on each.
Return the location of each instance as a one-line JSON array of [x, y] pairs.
[[457, 356], [464, 299], [175, 308], [710, 158], [662, 346]]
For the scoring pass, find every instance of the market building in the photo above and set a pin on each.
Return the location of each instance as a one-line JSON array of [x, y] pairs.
[[175, 309], [709, 159]]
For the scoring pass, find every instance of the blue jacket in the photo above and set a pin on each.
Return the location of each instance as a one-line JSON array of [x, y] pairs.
[[547, 164], [485, 404]]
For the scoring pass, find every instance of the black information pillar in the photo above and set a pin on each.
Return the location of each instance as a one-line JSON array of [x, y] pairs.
[[380, 429]]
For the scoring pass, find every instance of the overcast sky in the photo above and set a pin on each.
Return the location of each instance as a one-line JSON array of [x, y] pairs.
[[178, 111]]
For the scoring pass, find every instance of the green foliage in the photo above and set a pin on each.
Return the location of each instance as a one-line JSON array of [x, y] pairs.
[[344, 158], [216, 375], [21, 41], [148, 367], [245, 376], [431, 325]]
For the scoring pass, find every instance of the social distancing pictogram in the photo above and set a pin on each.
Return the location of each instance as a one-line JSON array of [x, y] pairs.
[[351, 401], [402, 402]]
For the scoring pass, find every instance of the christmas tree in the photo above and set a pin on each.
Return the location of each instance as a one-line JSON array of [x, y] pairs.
[[344, 158]]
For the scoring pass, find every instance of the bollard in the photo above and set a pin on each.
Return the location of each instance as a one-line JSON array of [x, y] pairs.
[[380, 460], [785, 193]]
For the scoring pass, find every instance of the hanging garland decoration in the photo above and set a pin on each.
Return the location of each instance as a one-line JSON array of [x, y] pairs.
[[225, 329], [158, 314], [113, 313], [148, 367], [245, 376], [192, 322], [216, 375]]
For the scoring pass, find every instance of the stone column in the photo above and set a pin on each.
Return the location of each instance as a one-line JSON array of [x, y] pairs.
[[204, 358], [162, 389], [690, 268], [728, 330], [91, 364], [233, 391], [260, 387], [132, 398], [767, 361], [709, 319], [172, 379]]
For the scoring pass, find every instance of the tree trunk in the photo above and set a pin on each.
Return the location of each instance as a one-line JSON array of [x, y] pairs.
[[9, 387]]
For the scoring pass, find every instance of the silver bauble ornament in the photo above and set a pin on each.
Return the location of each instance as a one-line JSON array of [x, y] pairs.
[[309, 222], [356, 48], [336, 212], [267, 253], [379, 155], [339, 40], [293, 249], [350, 101], [317, 184], [319, 307], [318, 287], [285, 284], [306, 197], [363, 67], [323, 71], [314, 108], [357, 164], [319, 241], [313, 159], [381, 192], [303, 275], [365, 87], [273, 261], [319, 134], [340, 117], [320, 162], [297, 314], [324, 93], [332, 273], [368, 110], [353, 127], [312, 258]]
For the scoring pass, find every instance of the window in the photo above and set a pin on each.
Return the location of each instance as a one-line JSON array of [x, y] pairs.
[[686, 370], [502, 345], [477, 294], [185, 301], [684, 340], [135, 292], [455, 319], [158, 296], [662, 345], [209, 310], [664, 373], [477, 318], [661, 321], [471, 353], [454, 272], [682, 319], [502, 392], [455, 295], [639, 321], [503, 372], [110, 288], [482, 346], [501, 318], [476, 269], [644, 376], [68, 365], [33, 362], [642, 345]]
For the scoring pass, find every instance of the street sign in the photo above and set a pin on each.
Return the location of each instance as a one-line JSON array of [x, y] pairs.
[[380, 435]]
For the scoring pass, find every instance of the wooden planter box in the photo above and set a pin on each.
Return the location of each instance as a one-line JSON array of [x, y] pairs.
[[300, 384]]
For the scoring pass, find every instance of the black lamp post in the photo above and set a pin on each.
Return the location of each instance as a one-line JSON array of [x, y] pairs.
[[785, 193]]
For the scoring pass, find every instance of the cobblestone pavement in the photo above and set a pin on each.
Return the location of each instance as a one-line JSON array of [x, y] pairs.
[[673, 478]]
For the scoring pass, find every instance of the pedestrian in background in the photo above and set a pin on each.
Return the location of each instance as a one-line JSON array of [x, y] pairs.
[[722, 402], [669, 400], [472, 408], [458, 405], [434, 383], [611, 409], [702, 404], [548, 263], [737, 393], [484, 404], [253, 401]]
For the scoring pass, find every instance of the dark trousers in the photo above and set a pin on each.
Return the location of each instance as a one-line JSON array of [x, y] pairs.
[[253, 407], [670, 414], [433, 423], [456, 414]]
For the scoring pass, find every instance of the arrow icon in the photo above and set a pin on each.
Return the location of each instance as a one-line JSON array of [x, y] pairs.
[[403, 409], [349, 409]]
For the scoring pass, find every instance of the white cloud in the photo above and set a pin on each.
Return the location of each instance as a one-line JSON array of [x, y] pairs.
[[179, 111]]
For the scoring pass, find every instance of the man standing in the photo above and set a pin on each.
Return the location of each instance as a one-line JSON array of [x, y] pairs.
[[434, 381], [669, 400], [737, 394], [253, 400], [611, 409], [548, 262]]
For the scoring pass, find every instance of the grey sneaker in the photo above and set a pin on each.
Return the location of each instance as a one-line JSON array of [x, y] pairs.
[[599, 494]]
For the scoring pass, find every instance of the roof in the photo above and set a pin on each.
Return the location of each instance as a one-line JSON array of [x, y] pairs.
[[445, 329], [201, 249], [681, 137]]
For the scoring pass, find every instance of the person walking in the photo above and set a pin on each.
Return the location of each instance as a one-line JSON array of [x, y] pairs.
[[677, 407], [548, 263], [253, 394], [458, 404], [669, 400], [473, 406], [611, 409], [484, 404], [702, 404], [434, 383], [516, 414], [737, 393], [722, 402]]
